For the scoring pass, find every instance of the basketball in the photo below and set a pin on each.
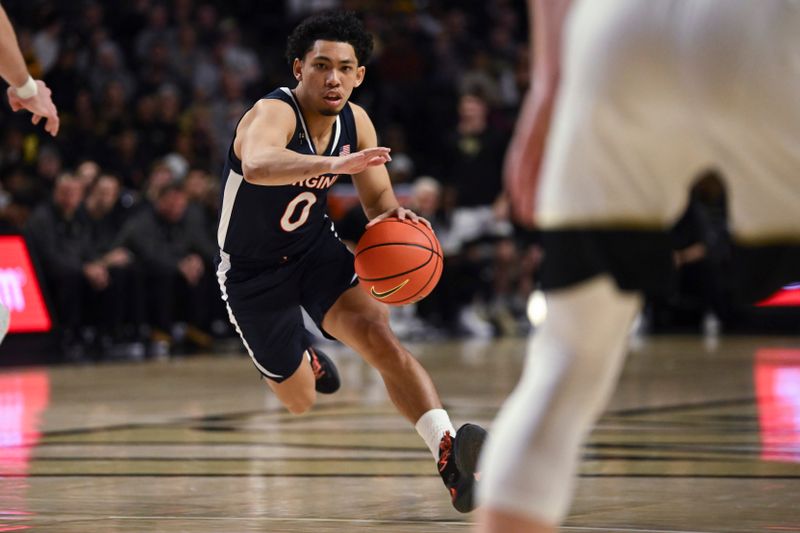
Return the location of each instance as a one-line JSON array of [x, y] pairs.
[[398, 262]]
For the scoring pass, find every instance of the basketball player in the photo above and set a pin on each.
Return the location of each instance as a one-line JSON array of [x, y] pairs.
[[279, 251], [24, 93], [643, 95]]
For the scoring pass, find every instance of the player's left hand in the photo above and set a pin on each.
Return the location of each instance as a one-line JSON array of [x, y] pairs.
[[402, 213]]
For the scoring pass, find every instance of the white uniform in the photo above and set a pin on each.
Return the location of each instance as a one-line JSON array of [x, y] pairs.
[[652, 92]]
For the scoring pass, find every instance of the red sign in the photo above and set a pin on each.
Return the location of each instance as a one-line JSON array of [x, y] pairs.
[[789, 296], [19, 288]]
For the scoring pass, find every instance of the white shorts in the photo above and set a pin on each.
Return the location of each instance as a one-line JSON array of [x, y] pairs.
[[655, 92]]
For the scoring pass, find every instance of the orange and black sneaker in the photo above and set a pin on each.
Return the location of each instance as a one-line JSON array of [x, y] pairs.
[[325, 373], [458, 460]]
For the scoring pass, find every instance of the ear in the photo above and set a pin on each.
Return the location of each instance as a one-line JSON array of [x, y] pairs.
[[360, 73], [297, 69]]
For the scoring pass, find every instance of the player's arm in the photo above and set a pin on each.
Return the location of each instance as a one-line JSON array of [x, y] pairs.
[[12, 65], [261, 139], [373, 183], [24, 92], [546, 20]]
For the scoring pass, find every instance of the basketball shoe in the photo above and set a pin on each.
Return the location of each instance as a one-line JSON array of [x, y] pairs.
[[325, 373], [458, 458]]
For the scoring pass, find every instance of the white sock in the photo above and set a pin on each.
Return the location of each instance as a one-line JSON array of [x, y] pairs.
[[432, 426]]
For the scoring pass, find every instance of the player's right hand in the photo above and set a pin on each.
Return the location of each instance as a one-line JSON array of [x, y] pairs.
[[359, 161], [41, 105]]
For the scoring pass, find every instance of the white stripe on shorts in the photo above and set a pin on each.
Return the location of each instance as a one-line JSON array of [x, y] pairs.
[[222, 276]]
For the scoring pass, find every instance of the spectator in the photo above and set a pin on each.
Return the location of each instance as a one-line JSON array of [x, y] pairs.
[[47, 43], [109, 67], [176, 256], [481, 233], [156, 30], [58, 235], [186, 55], [150, 81], [120, 313]]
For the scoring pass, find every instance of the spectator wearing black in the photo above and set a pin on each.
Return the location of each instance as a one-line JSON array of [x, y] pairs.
[[120, 315], [176, 255], [58, 234], [480, 231], [703, 294]]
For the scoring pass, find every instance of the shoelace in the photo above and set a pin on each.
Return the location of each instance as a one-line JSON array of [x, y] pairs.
[[316, 367], [445, 450]]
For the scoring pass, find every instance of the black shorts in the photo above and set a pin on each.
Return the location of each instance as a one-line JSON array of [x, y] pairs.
[[641, 261], [264, 301]]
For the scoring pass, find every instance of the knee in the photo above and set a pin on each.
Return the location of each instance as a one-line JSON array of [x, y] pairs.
[[387, 353], [374, 326]]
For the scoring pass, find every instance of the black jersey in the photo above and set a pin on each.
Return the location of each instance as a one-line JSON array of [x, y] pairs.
[[267, 223]]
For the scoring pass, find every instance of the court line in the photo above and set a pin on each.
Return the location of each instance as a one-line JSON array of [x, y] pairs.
[[422, 456], [630, 530], [387, 475], [281, 411], [295, 445], [374, 521], [681, 407]]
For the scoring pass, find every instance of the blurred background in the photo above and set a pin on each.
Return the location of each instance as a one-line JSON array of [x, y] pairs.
[[107, 232]]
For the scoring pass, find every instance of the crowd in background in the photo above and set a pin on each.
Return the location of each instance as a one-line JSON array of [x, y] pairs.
[[120, 209]]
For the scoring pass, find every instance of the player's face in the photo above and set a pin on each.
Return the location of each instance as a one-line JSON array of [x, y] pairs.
[[328, 74]]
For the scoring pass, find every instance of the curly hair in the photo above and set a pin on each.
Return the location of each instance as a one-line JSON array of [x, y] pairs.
[[338, 26]]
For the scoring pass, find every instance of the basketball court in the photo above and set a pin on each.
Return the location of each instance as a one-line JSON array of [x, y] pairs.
[[703, 435]]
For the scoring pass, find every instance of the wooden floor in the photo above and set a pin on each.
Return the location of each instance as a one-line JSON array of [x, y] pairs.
[[701, 437]]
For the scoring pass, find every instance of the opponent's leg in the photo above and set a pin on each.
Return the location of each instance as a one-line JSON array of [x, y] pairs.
[[573, 362]]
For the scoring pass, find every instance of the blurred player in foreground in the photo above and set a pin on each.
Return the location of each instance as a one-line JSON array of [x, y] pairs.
[[643, 95]]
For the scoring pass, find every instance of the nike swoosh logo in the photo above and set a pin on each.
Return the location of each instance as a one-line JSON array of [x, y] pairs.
[[386, 294]]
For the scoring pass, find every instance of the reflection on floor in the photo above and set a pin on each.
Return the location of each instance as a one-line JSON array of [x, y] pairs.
[[699, 437]]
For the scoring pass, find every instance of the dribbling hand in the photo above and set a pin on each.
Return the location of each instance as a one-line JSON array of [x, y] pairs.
[[402, 213]]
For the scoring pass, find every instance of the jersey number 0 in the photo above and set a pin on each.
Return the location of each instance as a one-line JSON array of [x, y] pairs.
[[304, 199]]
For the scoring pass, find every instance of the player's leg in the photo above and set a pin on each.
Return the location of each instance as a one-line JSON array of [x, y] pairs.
[[362, 323], [263, 306], [275, 343], [573, 362], [509, 522], [614, 178], [347, 313]]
